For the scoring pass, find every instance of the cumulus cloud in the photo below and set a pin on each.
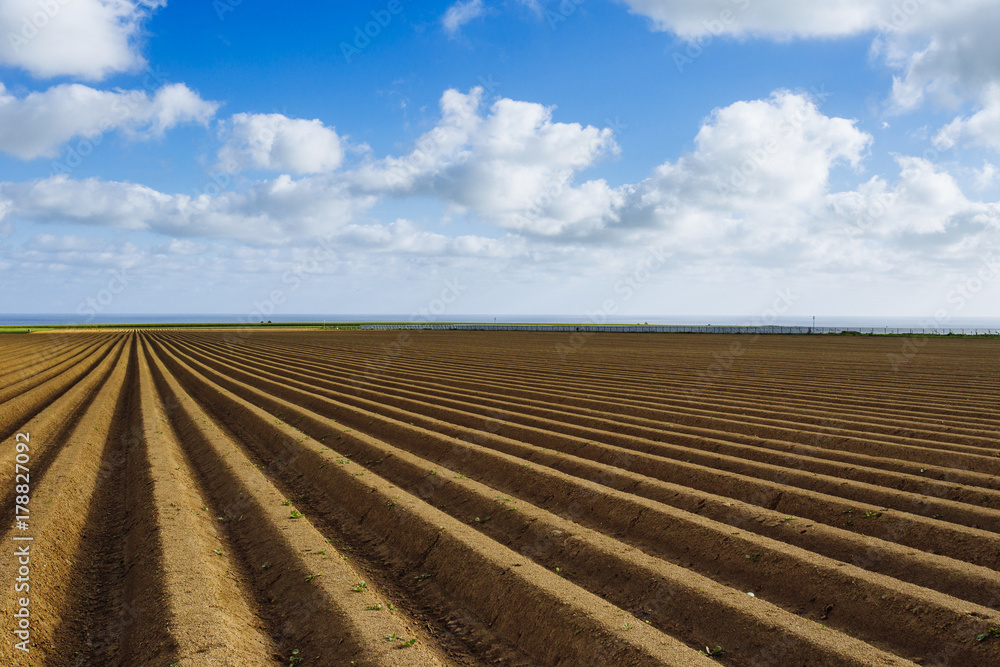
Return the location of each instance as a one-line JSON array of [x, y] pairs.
[[172, 105], [982, 178], [780, 19], [278, 143], [446, 143], [511, 164], [78, 253], [88, 39], [406, 237], [755, 167], [924, 200], [268, 212], [38, 124], [461, 13], [944, 51], [774, 151], [981, 128], [754, 190]]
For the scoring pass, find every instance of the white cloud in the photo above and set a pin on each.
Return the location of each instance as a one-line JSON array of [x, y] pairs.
[[405, 236], [981, 129], [754, 191], [275, 142], [444, 144], [535, 6], [89, 39], [269, 212], [182, 247], [781, 19], [943, 50], [461, 13], [982, 178], [765, 157], [50, 252], [38, 124], [924, 200], [174, 104], [512, 166]]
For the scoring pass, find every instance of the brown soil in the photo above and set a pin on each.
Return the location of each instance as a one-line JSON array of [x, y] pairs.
[[479, 498]]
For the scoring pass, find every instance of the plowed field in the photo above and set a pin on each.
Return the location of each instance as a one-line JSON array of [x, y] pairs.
[[481, 498]]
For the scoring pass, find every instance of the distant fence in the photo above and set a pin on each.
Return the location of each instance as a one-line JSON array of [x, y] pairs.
[[655, 328]]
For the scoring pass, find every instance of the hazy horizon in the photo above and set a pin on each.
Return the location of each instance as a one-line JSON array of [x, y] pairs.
[[831, 321]]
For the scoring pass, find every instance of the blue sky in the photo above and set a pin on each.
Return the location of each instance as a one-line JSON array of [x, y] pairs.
[[630, 157]]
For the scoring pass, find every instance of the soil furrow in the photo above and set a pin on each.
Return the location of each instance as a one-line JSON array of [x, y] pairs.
[[55, 422], [782, 453], [492, 578], [587, 456], [603, 509], [18, 409], [349, 366], [262, 496], [280, 557], [73, 486]]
